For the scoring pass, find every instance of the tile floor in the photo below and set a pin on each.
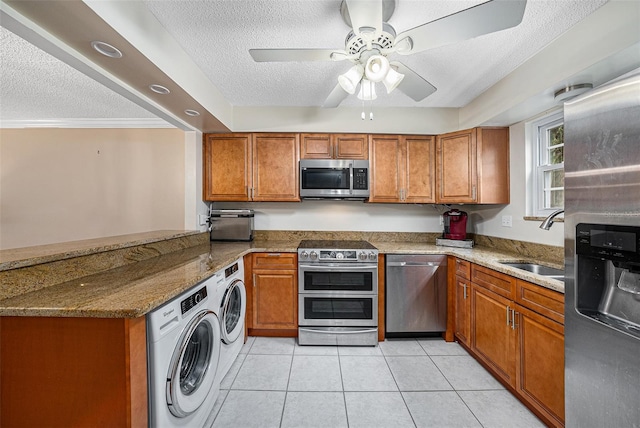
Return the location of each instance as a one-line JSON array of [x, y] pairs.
[[400, 383]]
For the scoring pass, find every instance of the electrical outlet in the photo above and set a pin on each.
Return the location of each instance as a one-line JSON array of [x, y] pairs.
[[202, 219], [506, 221], [441, 221]]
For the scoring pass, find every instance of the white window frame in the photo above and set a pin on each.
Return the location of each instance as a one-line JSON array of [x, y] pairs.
[[539, 165]]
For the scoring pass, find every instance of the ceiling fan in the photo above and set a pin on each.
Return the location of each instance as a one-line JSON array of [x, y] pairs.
[[372, 40]]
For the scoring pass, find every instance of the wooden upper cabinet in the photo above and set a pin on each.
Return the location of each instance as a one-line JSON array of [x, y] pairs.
[[418, 156], [402, 168], [251, 167], [385, 161], [473, 166], [227, 167], [275, 167], [334, 146]]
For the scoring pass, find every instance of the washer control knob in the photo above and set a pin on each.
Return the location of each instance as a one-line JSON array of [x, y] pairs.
[[197, 298], [362, 256], [313, 255], [339, 256], [372, 256], [304, 255]]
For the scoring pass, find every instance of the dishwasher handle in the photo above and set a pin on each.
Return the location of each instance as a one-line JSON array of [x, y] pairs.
[[412, 264]]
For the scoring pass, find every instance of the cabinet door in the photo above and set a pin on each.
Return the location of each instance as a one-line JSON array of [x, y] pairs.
[[492, 335], [418, 156], [275, 167], [463, 310], [350, 146], [456, 167], [227, 167], [275, 294], [540, 364], [316, 146], [385, 163]]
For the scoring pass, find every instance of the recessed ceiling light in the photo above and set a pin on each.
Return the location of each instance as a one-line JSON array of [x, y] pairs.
[[190, 112], [106, 49], [159, 89], [571, 91]]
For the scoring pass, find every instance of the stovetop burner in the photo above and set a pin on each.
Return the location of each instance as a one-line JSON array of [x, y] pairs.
[[335, 244]]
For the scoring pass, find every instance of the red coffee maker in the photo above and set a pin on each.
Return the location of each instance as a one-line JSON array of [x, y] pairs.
[[455, 224]]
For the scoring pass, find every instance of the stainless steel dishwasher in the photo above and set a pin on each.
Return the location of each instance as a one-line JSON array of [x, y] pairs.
[[416, 294]]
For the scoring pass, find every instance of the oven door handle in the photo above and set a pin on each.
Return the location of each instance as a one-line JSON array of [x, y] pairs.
[[335, 267], [364, 330]]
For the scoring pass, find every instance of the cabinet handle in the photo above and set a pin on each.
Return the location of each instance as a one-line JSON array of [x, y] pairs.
[[473, 193], [464, 293], [513, 319], [508, 316], [273, 254], [248, 192], [254, 280]]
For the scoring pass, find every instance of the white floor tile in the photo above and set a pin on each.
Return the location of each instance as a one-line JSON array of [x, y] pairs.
[[443, 409], [437, 346], [377, 409], [247, 345], [227, 381], [264, 372], [366, 374], [314, 409], [360, 350], [315, 373], [465, 373], [417, 374], [315, 350], [247, 409], [273, 345], [401, 347], [499, 409]]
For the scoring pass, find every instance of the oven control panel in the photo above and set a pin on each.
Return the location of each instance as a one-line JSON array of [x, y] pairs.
[[338, 255]]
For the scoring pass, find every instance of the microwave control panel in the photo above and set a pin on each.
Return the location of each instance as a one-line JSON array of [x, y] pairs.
[[360, 179]]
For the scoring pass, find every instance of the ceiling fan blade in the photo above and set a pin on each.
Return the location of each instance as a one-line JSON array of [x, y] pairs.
[[365, 15], [335, 97], [494, 15], [413, 84], [286, 55]]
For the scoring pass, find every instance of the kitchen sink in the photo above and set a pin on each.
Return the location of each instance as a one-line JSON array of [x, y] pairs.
[[538, 269]]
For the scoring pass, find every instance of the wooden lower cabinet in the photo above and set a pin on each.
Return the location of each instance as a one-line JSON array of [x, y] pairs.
[[520, 340], [463, 310], [73, 372], [273, 295], [540, 364], [492, 336]]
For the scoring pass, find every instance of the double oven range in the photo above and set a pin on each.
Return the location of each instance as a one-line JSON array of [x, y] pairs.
[[338, 293]]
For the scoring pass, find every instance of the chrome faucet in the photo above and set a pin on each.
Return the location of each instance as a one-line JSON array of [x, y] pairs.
[[548, 222]]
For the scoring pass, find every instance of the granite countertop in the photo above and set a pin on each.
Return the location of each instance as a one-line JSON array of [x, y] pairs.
[[135, 289]]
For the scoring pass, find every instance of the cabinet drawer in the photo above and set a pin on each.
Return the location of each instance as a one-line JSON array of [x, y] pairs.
[[541, 300], [497, 282], [275, 261], [463, 268]]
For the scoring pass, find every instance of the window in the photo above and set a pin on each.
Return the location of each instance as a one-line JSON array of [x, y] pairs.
[[548, 168]]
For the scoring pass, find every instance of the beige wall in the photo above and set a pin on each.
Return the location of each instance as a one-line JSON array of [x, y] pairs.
[[61, 185]]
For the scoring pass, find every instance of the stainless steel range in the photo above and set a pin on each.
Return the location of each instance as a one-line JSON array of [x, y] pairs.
[[338, 293]]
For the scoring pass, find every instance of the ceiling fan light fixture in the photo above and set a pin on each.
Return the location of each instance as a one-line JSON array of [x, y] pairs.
[[367, 91], [392, 80], [349, 80], [377, 68]]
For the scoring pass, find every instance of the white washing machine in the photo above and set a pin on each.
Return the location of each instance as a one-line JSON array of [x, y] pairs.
[[232, 297], [183, 349]]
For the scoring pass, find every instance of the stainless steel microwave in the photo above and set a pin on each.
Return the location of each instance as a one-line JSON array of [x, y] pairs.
[[334, 178]]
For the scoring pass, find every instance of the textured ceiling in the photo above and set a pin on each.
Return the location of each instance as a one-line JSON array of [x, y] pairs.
[[217, 35], [35, 85]]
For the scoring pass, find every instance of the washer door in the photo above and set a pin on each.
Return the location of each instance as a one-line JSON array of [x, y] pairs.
[[194, 364], [232, 311]]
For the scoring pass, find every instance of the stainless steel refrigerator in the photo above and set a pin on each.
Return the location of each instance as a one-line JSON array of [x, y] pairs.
[[602, 256]]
